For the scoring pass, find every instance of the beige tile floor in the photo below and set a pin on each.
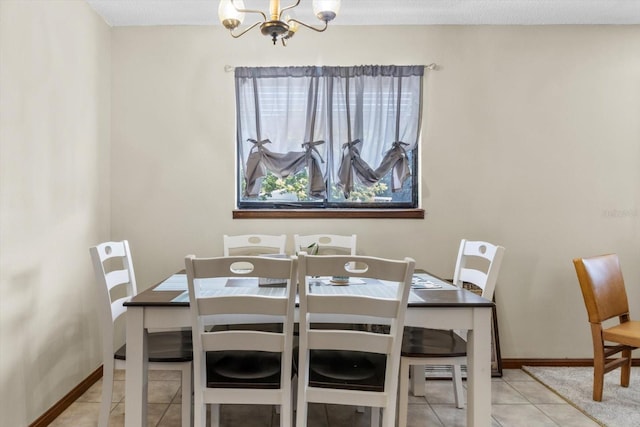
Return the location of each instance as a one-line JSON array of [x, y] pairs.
[[517, 401]]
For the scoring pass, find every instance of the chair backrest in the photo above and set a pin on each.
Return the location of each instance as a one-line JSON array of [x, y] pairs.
[[116, 281], [478, 263], [254, 244], [381, 298], [602, 286], [215, 304], [328, 244]]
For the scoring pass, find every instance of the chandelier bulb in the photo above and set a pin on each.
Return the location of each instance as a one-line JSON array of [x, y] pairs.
[[326, 10], [229, 16]]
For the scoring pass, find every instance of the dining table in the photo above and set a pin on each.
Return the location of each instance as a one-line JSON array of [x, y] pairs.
[[433, 303]]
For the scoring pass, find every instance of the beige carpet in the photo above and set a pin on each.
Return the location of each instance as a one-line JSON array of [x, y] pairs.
[[620, 406]]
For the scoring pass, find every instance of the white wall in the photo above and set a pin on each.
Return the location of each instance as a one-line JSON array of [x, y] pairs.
[[531, 140], [54, 199]]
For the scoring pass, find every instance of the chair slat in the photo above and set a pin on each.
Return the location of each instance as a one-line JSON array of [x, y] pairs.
[[351, 304], [254, 244], [327, 244], [204, 268], [117, 307], [338, 397], [477, 277], [235, 395], [243, 304], [350, 340], [116, 278], [242, 340], [327, 266]]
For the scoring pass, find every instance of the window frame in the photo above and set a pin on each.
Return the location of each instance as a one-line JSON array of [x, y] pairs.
[[329, 204]]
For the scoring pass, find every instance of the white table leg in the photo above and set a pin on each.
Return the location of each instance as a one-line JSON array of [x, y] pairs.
[[136, 372], [479, 369]]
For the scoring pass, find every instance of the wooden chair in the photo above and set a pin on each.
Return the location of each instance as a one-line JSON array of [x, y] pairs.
[[254, 244], [478, 263], [328, 244], [347, 366], [241, 366], [171, 350], [605, 298]]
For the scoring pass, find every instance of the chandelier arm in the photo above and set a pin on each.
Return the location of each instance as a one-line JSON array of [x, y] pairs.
[[235, 36], [287, 8], [319, 30], [264, 17]]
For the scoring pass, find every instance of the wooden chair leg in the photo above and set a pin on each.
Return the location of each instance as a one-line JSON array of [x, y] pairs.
[[626, 368], [598, 361], [598, 379]]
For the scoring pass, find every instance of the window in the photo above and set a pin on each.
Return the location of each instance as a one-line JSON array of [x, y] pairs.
[[328, 137]]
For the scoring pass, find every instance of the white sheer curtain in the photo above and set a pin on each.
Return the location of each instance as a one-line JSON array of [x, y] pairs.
[[348, 125]]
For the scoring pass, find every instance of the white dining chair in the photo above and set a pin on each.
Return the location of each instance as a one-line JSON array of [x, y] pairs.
[[327, 244], [248, 365], [478, 264], [254, 244], [170, 350], [348, 366]]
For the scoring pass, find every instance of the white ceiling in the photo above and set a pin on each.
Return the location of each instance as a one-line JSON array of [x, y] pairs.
[[385, 12]]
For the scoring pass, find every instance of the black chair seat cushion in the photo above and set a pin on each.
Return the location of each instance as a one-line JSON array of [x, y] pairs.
[[172, 346], [243, 369], [424, 342], [350, 370]]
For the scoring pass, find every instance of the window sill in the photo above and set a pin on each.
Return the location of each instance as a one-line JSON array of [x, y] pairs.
[[328, 213]]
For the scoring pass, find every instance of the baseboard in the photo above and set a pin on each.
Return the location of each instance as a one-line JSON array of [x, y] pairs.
[[60, 406], [519, 363]]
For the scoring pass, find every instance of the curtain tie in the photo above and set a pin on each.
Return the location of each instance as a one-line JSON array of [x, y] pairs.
[[399, 145], [258, 145], [353, 150], [311, 147]]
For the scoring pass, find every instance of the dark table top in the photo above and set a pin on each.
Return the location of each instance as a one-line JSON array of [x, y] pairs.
[[432, 297]]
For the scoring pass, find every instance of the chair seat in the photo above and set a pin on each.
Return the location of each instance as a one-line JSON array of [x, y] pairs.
[[627, 333], [424, 342], [243, 369], [172, 346], [349, 370]]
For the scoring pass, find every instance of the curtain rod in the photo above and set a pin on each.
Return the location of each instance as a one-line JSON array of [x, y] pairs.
[[432, 66]]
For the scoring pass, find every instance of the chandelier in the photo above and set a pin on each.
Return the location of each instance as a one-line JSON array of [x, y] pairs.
[[231, 14]]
